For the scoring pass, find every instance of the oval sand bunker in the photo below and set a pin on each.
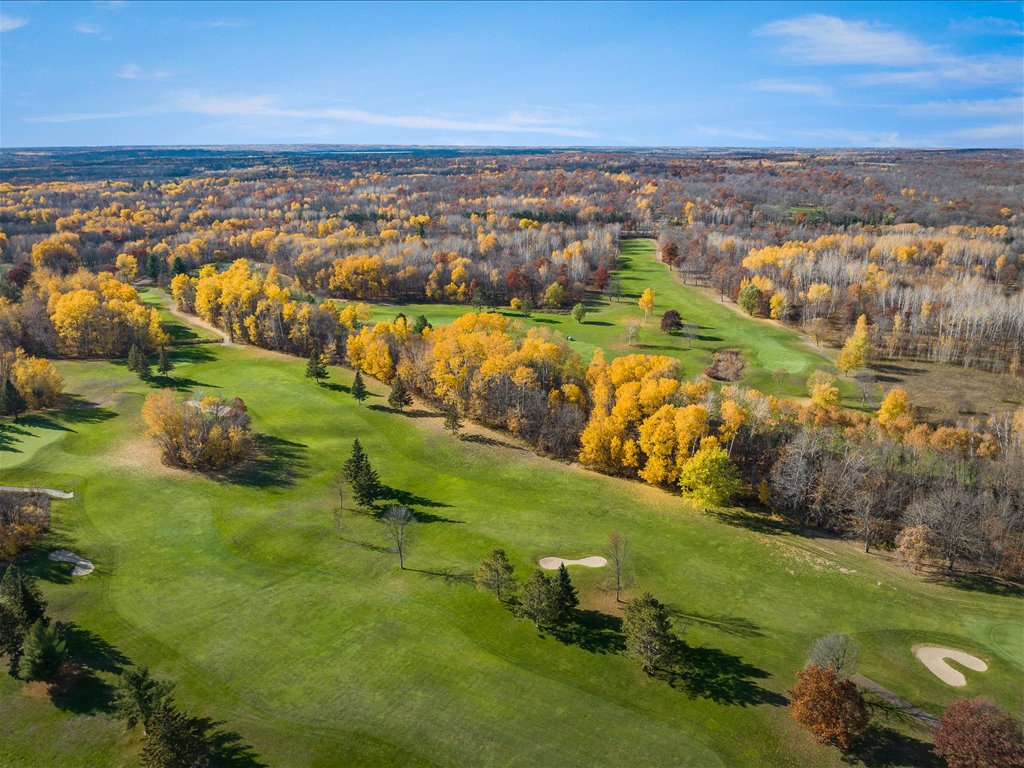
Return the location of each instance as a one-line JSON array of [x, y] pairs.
[[934, 657], [82, 566], [552, 563]]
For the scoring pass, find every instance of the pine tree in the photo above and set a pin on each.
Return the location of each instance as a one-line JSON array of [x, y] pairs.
[[451, 420], [173, 741], [420, 325], [316, 368], [42, 652], [565, 598], [399, 397], [138, 362], [164, 364], [496, 574], [537, 600], [648, 631], [20, 594], [138, 696], [12, 402], [358, 387], [365, 483]]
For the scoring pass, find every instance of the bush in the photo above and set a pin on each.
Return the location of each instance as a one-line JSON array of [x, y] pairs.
[[975, 733], [726, 365], [210, 434]]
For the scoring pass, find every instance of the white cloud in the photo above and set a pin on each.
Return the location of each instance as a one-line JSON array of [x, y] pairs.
[[134, 72], [731, 133], [87, 28], [855, 138], [538, 121], [818, 39], [1010, 131], [217, 24], [8, 23], [1012, 105], [794, 86], [988, 25]]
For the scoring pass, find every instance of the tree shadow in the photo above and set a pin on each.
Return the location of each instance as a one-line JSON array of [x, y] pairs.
[[366, 545], [334, 387], [602, 323], [730, 625], [705, 337], [484, 440], [722, 677], [279, 463], [412, 413], [545, 320], [78, 410], [10, 432], [193, 352], [407, 499], [883, 747], [78, 689], [592, 631], [450, 575], [179, 383], [226, 749], [752, 522], [978, 582]]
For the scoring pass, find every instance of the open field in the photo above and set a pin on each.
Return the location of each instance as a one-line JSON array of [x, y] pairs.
[[304, 636], [766, 347]]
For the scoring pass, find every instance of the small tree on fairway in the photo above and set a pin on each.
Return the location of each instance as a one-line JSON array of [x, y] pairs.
[[975, 733], [617, 554], [12, 402], [496, 574], [671, 321], [836, 652], [831, 708], [397, 521], [399, 397], [358, 387], [362, 477], [536, 600], [579, 312], [451, 420], [138, 696], [138, 362], [565, 598], [42, 652], [648, 631], [173, 741], [316, 368], [164, 364]]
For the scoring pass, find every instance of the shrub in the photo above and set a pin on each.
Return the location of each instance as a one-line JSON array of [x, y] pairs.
[[210, 434]]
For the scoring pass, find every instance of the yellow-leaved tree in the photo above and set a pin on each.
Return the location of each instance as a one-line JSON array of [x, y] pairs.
[[855, 350], [646, 302]]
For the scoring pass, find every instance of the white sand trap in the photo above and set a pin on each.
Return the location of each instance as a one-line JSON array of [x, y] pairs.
[[552, 563], [82, 566], [51, 492], [934, 657]]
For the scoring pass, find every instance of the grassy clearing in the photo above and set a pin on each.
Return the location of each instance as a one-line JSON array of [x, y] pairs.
[[308, 640], [766, 347]]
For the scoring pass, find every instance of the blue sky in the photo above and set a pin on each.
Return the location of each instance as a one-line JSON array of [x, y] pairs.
[[930, 74]]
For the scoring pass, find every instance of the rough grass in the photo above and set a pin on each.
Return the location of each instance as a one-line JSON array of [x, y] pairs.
[[309, 642]]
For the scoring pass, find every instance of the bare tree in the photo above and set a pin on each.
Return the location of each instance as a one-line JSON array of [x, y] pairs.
[[618, 555], [632, 331], [836, 652], [397, 521]]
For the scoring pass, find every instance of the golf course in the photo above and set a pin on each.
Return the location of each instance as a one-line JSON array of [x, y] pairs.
[[280, 613]]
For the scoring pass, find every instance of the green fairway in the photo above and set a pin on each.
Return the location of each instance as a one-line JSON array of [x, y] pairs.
[[766, 347], [310, 642]]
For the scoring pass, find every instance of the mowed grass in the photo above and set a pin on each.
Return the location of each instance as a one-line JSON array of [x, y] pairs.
[[310, 642], [767, 347]]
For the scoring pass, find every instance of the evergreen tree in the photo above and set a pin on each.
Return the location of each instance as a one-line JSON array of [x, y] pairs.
[[358, 387], [399, 397], [173, 741], [138, 696], [496, 574], [565, 598], [647, 628], [12, 403], [451, 420], [366, 485], [138, 362], [316, 368], [21, 596], [421, 324], [537, 600], [164, 364], [42, 652]]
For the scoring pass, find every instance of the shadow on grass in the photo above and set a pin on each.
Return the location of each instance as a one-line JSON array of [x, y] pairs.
[[450, 575], [78, 689], [78, 410], [730, 625], [10, 433], [415, 413], [601, 323], [225, 748], [883, 747], [336, 387], [278, 464], [484, 440], [977, 582], [407, 499], [592, 631], [709, 673], [193, 353], [753, 522], [178, 383]]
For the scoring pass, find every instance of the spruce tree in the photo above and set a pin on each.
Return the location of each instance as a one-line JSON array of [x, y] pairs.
[[138, 696], [565, 597], [537, 600], [648, 631], [366, 485], [420, 324], [42, 652], [316, 368], [358, 387], [164, 364], [399, 397], [138, 362], [12, 403], [451, 420], [21, 596], [173, 741]]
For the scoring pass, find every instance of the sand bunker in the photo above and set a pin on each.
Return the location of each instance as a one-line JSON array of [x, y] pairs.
[[51, 492], [82, 566], [552, 563], [934, 657]]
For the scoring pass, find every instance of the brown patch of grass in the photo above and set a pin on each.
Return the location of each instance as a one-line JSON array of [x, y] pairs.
[[949, 392]]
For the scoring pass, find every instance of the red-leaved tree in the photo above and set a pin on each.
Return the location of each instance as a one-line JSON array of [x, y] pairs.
[[975, 733], [830, 707]]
